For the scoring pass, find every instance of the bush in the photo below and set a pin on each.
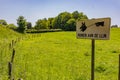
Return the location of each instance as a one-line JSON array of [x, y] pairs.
[[42, 30]]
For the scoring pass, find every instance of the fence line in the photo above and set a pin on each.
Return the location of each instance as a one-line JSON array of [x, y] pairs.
[[119, 68], [11, 46]]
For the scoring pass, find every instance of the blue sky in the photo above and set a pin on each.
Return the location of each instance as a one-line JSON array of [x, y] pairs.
[[33, 10]]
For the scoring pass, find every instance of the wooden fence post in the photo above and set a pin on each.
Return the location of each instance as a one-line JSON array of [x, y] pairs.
[[10, 65], [10, 70], [13, 54], [12, 43], [10, 46]]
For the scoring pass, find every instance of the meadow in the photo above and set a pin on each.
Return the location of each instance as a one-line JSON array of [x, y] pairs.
[[59, 56]]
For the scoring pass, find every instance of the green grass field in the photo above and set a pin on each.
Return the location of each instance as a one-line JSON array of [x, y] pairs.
[[60, 56]]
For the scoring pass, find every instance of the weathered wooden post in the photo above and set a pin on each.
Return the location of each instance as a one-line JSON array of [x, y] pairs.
[[10, 70], [12, 43], [13, 54], [10, 65], [93, 60], [119, 68], [10, 46]]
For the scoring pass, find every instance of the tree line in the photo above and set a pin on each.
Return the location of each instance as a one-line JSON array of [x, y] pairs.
[[65, 21]]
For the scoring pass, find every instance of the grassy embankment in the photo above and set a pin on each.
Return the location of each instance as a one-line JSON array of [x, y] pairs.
[[60, 56], [6, 36]]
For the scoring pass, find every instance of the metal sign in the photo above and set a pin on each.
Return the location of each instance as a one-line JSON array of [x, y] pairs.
[[94, 28]]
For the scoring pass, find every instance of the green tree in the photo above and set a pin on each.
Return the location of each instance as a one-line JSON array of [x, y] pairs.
[[75, 15], [50, 21], [29, 25], [21, 21], [61, 19], [114, 26], [56, 23], [3, 22], [65, 16], [70, 25], [41, 24], [82, 16]]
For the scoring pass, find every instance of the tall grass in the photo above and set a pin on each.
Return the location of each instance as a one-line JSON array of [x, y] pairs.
[[60, 56], [6, 36]]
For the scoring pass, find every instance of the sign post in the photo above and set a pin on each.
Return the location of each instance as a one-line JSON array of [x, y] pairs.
[[93, 59], [93, 29], [119, 68]]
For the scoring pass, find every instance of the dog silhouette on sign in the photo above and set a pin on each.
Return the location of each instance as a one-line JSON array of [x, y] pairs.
[[83, 27]]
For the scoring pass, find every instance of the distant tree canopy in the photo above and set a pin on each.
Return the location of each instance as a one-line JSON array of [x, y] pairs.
[[61, 20], [114, 26], [50, 21], [3, 22], [41, 24], [29, 25], [21, 21], [64, 21], [70, 25]]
